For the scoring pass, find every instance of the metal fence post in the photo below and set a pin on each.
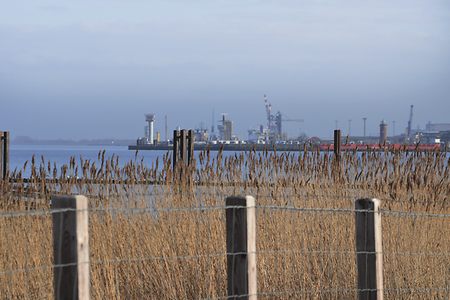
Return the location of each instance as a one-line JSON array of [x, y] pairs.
[[71, 247], [369, 254], [241, 247]]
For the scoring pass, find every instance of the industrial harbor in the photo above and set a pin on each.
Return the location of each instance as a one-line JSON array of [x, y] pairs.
[[272, 137]]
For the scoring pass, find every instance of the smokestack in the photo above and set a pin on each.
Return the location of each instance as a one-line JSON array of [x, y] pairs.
[[383, 132]]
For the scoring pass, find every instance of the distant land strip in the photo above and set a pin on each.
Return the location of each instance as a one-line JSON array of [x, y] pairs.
[[26, 140]]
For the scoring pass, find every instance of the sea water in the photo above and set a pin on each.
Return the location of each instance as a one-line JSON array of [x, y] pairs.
[[19, 154], [61, 154]]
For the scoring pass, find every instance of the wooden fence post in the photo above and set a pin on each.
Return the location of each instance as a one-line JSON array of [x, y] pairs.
[[71, 246], [369, 256], [241, 247]]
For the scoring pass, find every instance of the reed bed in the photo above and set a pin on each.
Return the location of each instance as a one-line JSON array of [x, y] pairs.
[[156, 235]]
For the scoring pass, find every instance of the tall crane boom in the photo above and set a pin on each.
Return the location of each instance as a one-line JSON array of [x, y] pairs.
[[274, 122], [212, 136], [410, 121]]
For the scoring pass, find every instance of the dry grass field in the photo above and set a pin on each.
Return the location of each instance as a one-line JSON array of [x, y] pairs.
[[153, 237]]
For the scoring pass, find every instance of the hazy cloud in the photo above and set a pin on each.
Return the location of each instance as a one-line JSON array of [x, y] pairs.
[[53, 8], [109, 62]]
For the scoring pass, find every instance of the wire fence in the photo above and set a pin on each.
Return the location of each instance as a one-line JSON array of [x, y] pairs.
[[305, 248]]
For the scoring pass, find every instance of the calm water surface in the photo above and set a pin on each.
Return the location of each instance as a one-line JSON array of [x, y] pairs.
[[61, 155]]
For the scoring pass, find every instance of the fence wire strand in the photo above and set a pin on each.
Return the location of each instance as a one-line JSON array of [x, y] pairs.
[[172, 252]]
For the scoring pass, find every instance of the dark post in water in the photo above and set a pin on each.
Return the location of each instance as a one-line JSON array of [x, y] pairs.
[[183, 149], [176, 136], [4, 154], [190, 146], [337, 145]]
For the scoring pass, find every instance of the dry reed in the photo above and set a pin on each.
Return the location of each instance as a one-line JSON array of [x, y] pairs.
[[154, 235]]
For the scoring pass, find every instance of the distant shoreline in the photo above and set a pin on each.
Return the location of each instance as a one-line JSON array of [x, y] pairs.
[[25, 140]]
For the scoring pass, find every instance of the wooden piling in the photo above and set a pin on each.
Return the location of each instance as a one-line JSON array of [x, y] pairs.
[[4, 154], [183, 146], [337, 145], [176, 148], [1, 155], [191, 139]]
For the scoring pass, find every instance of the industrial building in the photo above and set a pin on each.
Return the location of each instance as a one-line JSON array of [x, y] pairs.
[[225, 129], [433, 134], [437, 127], [201, 134]]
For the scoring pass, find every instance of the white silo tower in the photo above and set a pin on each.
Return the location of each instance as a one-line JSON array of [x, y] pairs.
[[150, 118]]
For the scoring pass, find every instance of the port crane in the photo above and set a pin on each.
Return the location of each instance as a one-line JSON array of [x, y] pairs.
[[274, 122], [269, 113], [408, 134], [212, 136]]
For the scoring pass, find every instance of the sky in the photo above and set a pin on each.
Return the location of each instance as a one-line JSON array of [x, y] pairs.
[[93, 69]]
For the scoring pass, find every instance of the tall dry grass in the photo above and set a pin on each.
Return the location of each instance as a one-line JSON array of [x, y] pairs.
[[154, 235]]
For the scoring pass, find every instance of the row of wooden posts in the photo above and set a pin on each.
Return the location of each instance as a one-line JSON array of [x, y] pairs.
[[4, 154], [71, 248]]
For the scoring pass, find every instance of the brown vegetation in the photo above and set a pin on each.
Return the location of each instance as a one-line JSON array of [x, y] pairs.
[[154, 237]]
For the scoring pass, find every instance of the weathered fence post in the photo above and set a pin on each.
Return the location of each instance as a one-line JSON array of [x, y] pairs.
[[241, 247], [369, 254], [71, 247], [4, 154]]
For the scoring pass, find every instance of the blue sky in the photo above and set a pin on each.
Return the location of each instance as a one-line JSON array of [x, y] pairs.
[[92, 69]]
